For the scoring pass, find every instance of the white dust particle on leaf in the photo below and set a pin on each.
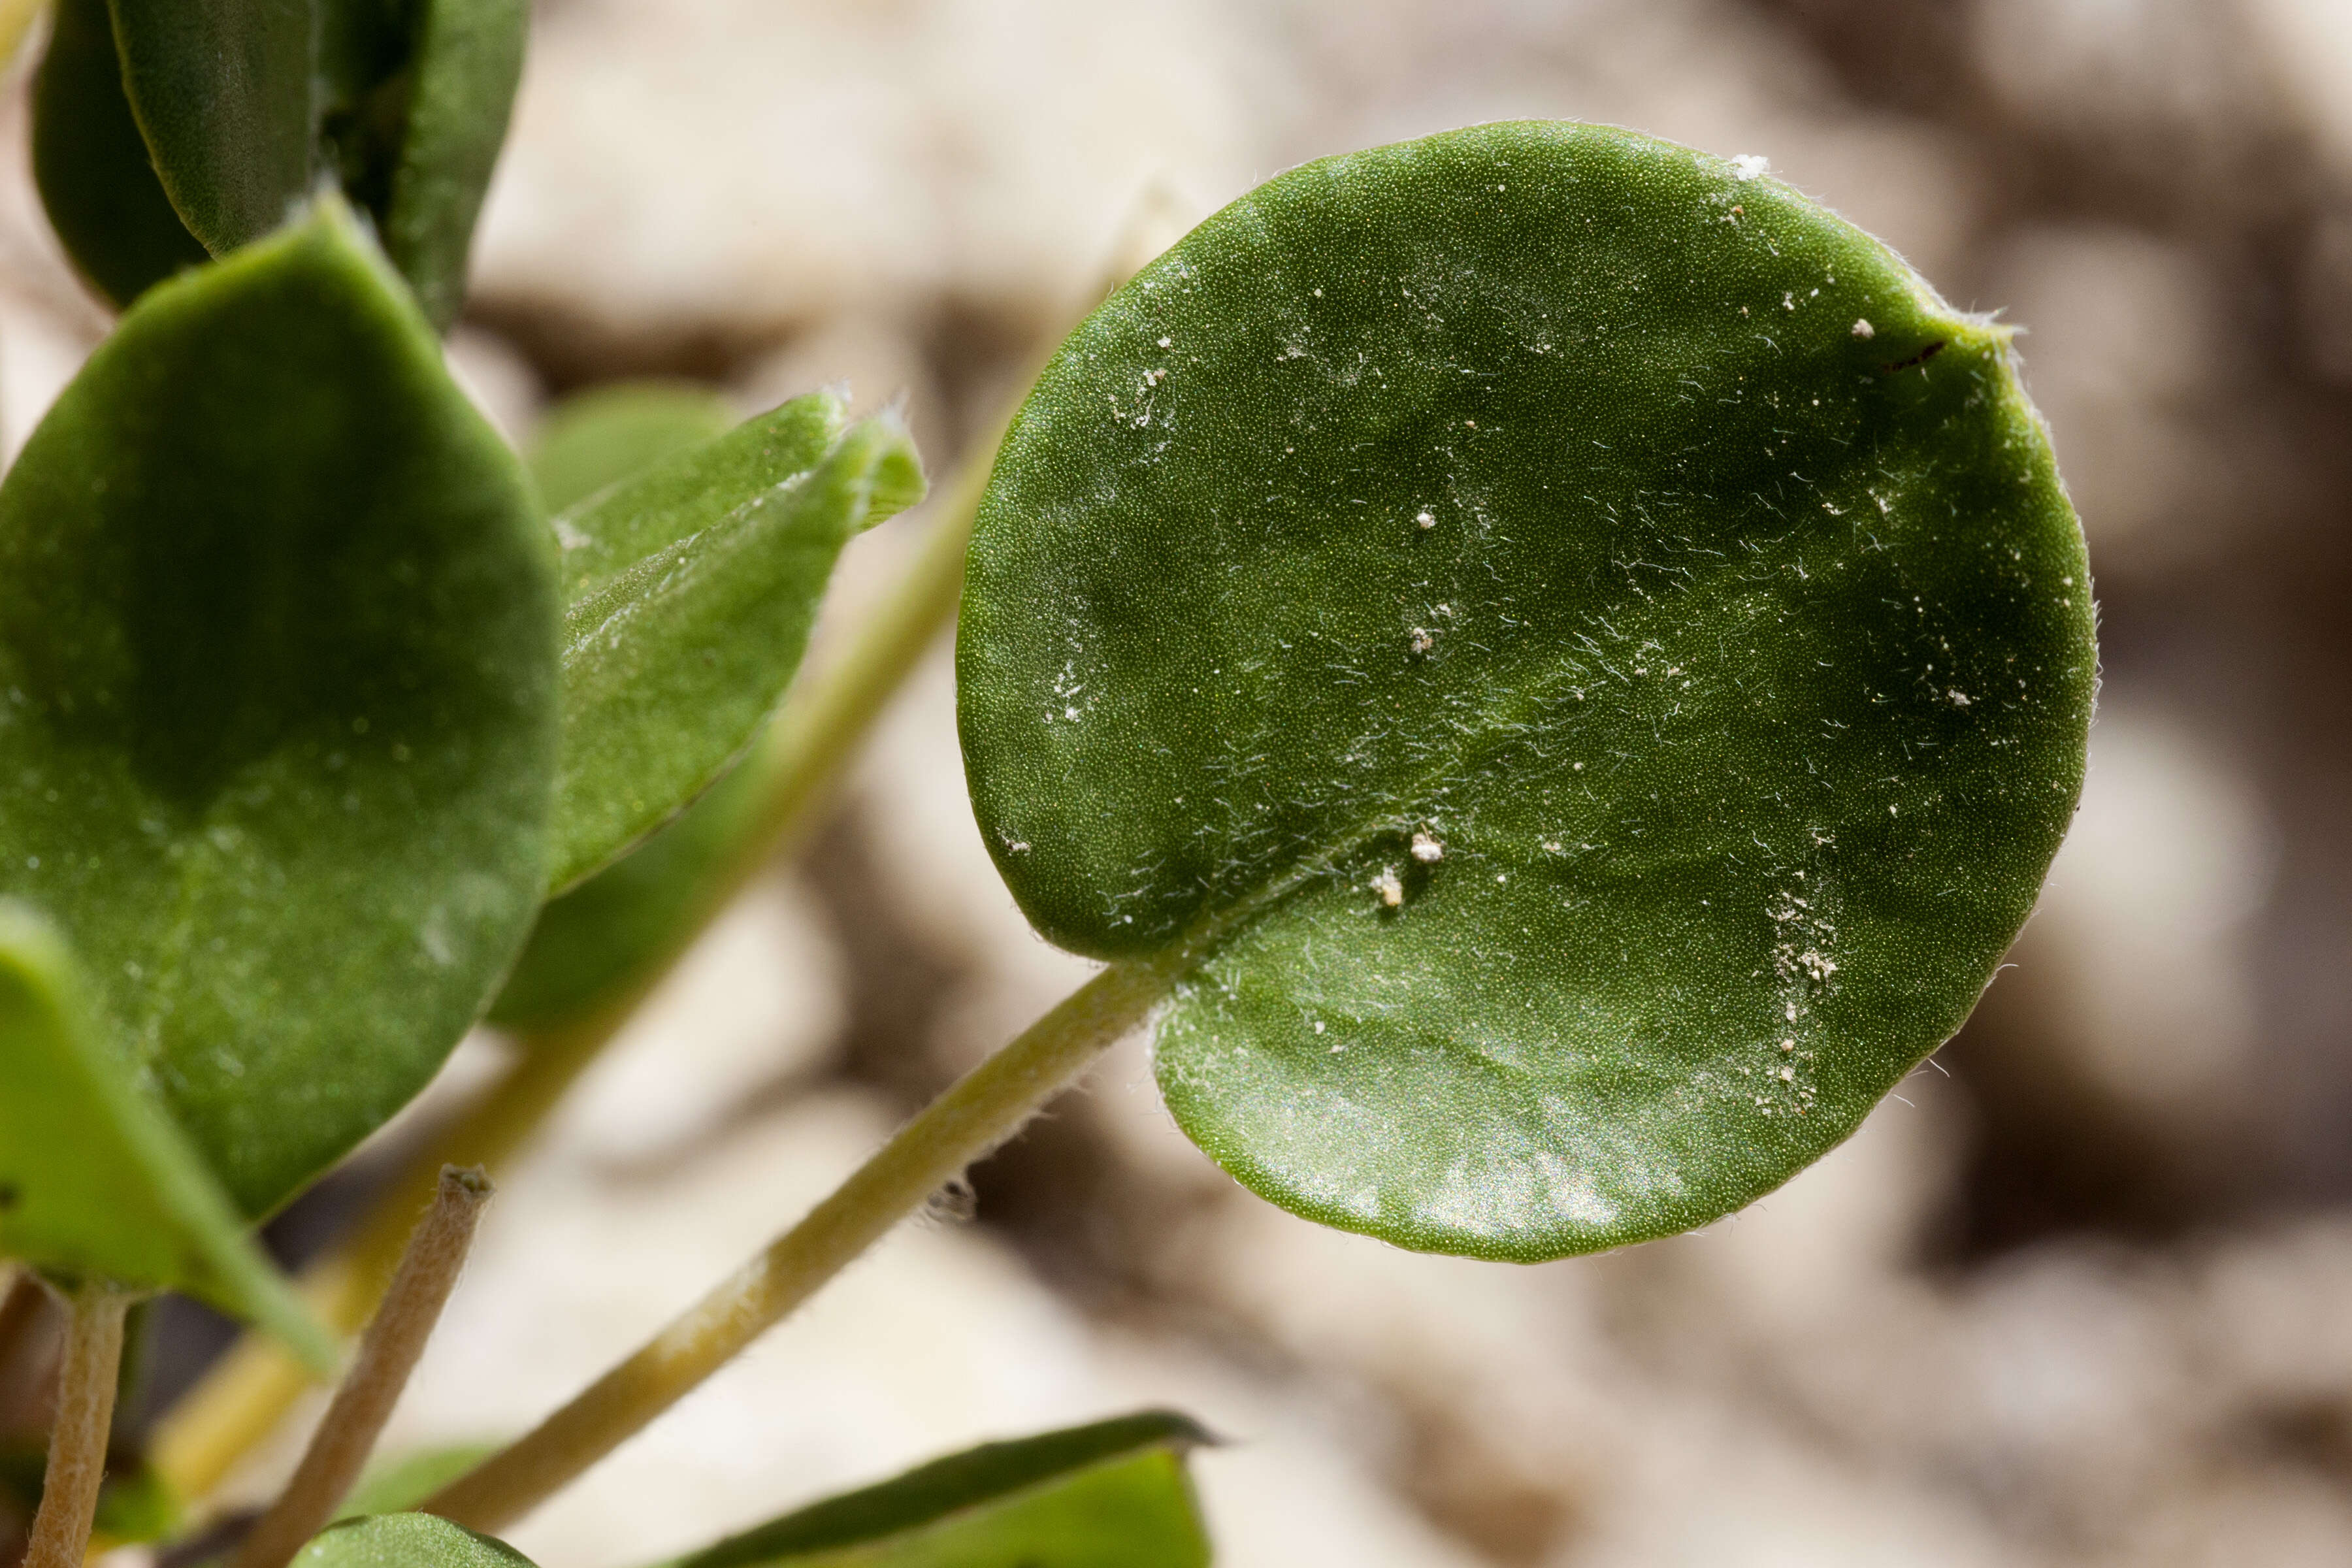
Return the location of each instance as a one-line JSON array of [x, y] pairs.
[[1959, 698], [1750, 165], [1863, 330], [1419, 640], [1390, 886], [1167, 342], [1427, 850], [1425, 518]]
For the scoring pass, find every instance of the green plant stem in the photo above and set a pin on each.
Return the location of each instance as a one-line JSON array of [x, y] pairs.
[[387, 1356], [77, 1441], [981, 1110]]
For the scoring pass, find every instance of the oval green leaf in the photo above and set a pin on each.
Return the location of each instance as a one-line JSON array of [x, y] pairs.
[[1114, 1494], [221, 91], [405, 1541], [691, 591], [95, 1180], [91, 167], [278, 669], [1590, 651], [416, 98]]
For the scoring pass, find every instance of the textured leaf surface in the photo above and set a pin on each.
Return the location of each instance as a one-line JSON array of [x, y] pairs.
[[1594, 649], [1111, 1495], [221, 88], [95, 1180], [592, 943], [416, 108], [691, 590], [277, 661], [96, 182], [405, 1541]]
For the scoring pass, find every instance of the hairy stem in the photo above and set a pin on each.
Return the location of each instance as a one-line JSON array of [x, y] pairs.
[[981, 1110], [77, 1441], [388, 1354], [250, 1391]]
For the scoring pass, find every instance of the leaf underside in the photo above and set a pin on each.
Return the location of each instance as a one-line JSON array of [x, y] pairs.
[[1594, 652], [1114, 1494], [691, 591], [277, 649], [95, 1182]]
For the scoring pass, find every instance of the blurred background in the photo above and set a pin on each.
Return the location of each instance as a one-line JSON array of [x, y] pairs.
[[2080, 1294]]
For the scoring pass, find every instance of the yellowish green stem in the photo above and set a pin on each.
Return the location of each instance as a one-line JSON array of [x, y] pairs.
[[981, 1110], [77, 1441]]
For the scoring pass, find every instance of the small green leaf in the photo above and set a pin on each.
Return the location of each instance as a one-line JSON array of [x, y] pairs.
[[605, 435], [415, 107], [691, 592], [277, 665], [594, 943], [1584, 652], [405, 1541], [221, 90], [91, 167], [95, 1180], [1110, 1495]]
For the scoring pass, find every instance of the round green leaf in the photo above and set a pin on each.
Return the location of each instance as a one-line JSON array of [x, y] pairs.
[[1589, 653], [96, 182], [277, 668], [405, 1541]]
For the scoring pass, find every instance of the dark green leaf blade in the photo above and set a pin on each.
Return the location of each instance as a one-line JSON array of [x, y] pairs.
[[278, 623], [1596, 653], [1114, 1494], [96, 183], [95, 1180], [405, 1541], [467, 63], [221, 90], [691, 591]]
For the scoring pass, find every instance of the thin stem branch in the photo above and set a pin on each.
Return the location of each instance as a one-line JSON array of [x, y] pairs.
[[388, 1354], [981, 1110], [243, 1397], [77, 1441]]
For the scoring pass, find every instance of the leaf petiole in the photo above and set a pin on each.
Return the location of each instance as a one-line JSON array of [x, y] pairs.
[[978, 1112]]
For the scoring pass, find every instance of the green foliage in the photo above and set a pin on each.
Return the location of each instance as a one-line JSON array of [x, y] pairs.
[[1111, 1495], [405, 1541], [168, 128], [691, 591], [277, 641], [607, 434], [395, 1486], [91, 167], [95, 1180], [221, 90], [595, 942], [1588, 653]]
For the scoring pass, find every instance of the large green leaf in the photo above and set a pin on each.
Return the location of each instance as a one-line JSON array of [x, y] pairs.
[[594, 943], [221, 92], [95, 1180], [278, 646], [1590, 651], [405, 1541], [1110, 1495], [691, 590], [416, 98], [92, 169]]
